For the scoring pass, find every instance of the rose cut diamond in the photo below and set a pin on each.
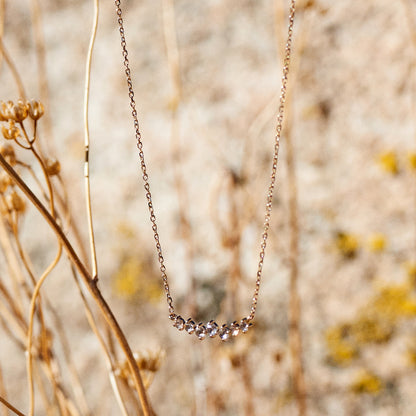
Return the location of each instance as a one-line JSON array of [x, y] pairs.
[[224, 332], [200, 331], [235, 329], [212, 329], [179, 323], [245, 325], [190, 326]]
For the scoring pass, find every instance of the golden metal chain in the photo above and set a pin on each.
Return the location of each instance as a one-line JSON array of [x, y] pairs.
[[211, 329]]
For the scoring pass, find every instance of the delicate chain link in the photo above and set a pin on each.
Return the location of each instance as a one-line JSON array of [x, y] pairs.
[[145, 176], [269, 200], [142, 161]]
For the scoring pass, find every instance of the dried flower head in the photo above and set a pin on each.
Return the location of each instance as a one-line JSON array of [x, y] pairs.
[[148, 362], [15, 202], [53, 167], [11, 132], [5, 182], [6, 110], [36, 109], [9, 154], [19, 111]]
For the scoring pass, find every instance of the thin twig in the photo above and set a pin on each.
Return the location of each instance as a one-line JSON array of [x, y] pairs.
[[2, 17], [76, 383], [12, 265], [87, 143], [107, 354], [42, 69], [30, 329], [11, 407], [13, 69], [3, 392]]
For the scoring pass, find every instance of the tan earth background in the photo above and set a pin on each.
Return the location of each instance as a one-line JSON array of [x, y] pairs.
[[207, 121]]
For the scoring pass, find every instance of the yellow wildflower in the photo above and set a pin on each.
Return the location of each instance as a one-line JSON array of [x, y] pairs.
[[389, 162]]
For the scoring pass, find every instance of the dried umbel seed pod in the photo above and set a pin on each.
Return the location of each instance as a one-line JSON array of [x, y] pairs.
[[6, 112], [9, 154], [35, 109], [19, 111], [5, 182], [11, 132], [53, 167], [15, 202]]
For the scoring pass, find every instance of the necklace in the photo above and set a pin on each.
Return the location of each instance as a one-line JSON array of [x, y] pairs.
[[211, 329]]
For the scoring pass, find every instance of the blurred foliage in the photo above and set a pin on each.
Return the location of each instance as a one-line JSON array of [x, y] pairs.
[[366, 382], [375, 323]]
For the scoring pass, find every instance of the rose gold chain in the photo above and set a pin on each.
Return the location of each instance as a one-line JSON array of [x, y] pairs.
[[211, 329]]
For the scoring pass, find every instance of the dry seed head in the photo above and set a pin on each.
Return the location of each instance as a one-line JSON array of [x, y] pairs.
[[6, 110], [35, 109], [11, 132], [20, 111], [53, 167], [15, 202], [8, 153]]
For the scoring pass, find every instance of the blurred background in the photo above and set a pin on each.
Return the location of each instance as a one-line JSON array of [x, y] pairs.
[[207, 79]]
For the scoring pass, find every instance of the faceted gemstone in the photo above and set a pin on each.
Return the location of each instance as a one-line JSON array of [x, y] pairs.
[[235, 329], [172, 316], [190, 326], [179, 323], [200, 331], [224, 332], [245, 325], [212, 329]]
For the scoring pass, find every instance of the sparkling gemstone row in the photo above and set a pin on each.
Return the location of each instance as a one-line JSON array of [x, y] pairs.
[[211, 329]]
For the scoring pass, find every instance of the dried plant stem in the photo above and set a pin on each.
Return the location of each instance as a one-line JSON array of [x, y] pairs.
[[13, 69], [295, 338], [70, 223], [18, 331], [12, 266], [3, 392], [89, 282], [42, 68], [87, 142], [11, 407], [107, 354], [172, 52], [2, 13], [30, 329], [248, 386], [76, 384]]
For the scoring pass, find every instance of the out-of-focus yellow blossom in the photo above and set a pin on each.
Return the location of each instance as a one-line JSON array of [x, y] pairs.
[[389, 162], [366, 382], [377, 243]]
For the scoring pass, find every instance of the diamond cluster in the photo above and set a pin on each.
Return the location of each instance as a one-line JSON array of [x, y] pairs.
[[211, 329]]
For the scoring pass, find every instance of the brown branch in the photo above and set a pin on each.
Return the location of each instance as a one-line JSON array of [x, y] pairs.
[[11, 407]]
